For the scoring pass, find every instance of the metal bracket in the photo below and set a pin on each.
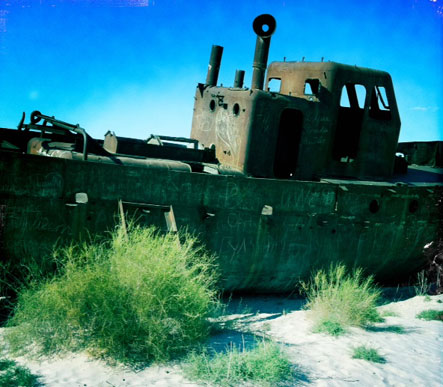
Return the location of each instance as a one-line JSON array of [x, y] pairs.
[[167, 211]]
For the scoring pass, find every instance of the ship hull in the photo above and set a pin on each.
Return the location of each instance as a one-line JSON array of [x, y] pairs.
[[266, 234]]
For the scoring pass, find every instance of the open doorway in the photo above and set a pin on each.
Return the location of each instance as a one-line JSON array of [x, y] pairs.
[[288, 143], [349, 122]]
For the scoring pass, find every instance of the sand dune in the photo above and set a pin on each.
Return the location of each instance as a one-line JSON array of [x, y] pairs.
[[413, 358]]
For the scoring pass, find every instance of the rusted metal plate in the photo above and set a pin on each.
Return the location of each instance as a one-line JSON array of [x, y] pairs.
[[276, 183], [311, 223]]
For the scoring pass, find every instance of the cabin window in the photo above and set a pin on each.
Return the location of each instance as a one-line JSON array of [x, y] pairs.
[[379, 107], [274, 85], [356, 91], [312, 87], [288, 143], [349, 122]]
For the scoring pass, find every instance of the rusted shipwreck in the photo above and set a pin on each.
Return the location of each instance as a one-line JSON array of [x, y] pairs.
[[275, 181]]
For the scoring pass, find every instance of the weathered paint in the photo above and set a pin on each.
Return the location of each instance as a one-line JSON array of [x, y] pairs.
[[287, 182], [312, 223]]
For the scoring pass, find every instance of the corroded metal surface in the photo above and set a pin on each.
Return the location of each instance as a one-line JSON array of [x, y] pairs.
[[275, 182], [380, 227], [423, 153]]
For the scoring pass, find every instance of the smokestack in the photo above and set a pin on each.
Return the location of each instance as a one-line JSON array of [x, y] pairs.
[[264, 26], [239, 77], [214, 65]]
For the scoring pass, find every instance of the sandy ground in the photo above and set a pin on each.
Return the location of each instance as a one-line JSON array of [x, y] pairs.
[[413, 358]]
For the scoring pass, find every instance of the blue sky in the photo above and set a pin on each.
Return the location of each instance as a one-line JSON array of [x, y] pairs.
[[131, 66]]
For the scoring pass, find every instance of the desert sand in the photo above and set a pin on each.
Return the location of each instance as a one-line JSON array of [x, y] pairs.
[[413, 358]]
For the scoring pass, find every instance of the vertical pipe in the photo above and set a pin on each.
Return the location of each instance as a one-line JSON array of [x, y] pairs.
[[214, 65], [260, 62], [239, 77], [264, 26]]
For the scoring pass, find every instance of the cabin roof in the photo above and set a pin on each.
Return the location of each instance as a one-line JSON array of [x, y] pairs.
[[321, 67]]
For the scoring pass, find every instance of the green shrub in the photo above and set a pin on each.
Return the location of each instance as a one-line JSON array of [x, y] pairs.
[[422, 286], [431, 315], [139, 297], [265, 364], [337, 299], [369, 354], [332, 328], [14, 375], [14, 277]]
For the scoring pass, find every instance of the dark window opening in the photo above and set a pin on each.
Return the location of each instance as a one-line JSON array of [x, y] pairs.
[[349, 122], [379, 107], [312, 87], [288, 143], [374, 206], [274, 85]]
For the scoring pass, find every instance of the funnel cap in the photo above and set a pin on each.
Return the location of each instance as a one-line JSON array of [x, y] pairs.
[[264, 25]]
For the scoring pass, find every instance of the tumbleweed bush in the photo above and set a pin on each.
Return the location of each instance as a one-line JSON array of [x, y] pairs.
[[338, 299], [140, 297]]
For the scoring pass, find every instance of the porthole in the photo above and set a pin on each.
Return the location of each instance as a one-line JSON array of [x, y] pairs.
[[212, 105], [374, 206]]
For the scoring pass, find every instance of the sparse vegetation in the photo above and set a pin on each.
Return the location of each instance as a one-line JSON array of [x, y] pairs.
[[332, 328], [369, 354], [139, 297], [422, 287], [431, 314], [14, 375], [265, 364], [389, 313], [338, 299]]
